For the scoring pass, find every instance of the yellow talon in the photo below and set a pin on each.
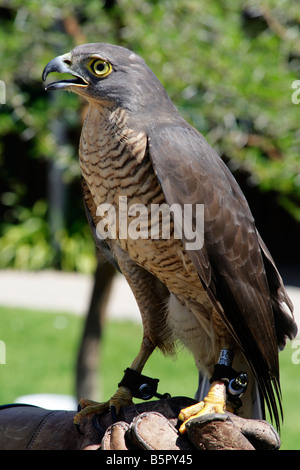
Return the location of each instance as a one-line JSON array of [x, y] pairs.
[[214, 402]]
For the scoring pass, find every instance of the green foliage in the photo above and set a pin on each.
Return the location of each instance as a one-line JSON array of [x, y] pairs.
[[228, 66], [26, 244]]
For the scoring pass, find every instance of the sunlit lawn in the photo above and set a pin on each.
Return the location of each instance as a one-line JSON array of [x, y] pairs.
[[41, 353]]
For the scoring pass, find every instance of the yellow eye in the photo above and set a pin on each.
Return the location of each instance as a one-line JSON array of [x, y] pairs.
[[100, 67]]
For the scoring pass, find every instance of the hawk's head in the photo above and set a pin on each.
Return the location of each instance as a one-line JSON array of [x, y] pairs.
[[107, 73]]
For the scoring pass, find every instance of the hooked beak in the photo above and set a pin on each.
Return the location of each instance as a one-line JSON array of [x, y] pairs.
[[62, 64]]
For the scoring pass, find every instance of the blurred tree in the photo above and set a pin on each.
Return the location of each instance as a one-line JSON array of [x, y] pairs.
[[228, 66]]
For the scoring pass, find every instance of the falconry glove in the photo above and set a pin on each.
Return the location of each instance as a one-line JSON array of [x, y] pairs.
[[152, 431], [145, 426]]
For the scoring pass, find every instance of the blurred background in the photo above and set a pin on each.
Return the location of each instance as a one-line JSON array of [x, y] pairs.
[[231, 69]]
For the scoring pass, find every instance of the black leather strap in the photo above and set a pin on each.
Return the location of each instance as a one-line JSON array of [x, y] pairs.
[[141, 386], [223, 373]]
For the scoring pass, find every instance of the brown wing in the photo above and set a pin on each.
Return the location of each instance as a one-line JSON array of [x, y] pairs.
[[230, 264]]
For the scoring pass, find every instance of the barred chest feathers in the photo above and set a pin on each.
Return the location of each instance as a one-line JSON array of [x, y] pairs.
[[114, 160]]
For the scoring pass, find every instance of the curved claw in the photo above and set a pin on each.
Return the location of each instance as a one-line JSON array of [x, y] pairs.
[[122, 397], [89, 408], [113, 412]]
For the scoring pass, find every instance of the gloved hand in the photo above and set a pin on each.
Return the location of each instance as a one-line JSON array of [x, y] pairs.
[[151, 430], [151, 425], [230, 432]]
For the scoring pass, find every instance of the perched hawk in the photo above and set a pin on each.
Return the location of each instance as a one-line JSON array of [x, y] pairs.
[[220, 295]]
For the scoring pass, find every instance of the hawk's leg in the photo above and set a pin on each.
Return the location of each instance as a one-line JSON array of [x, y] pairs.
[[215, 401], [123, 396], [150, 295]]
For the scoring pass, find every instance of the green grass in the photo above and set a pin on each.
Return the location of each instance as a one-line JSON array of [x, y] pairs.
[[41, 351]]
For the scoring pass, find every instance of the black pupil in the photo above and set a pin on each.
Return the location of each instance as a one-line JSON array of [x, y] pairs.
[[100, 66]]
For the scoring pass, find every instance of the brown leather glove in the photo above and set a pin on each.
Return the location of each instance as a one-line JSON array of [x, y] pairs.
[[151, 425], [152, 431]]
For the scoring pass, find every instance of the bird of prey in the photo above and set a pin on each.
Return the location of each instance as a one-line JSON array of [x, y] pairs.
[[222, 297]]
